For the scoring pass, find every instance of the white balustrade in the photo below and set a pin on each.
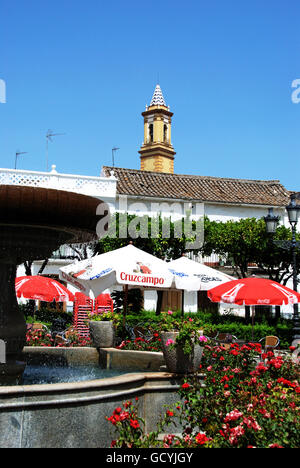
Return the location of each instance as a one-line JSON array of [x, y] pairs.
[[104, 187]]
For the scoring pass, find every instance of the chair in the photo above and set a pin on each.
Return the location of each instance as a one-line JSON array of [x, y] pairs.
[[140, 331], [270, 342], [212, 336], [226, 338], [64, 337], [39, 326], [60, 340]]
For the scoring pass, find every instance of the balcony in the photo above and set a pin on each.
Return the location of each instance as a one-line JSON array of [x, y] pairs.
[[99, 187]]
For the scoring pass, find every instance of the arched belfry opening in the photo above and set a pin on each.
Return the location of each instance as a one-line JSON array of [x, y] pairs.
[[151, 133]]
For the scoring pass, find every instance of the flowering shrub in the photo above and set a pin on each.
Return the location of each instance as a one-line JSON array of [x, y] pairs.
[[131, 434], [43, 338], [107, 316], [140, 344], [76, 340], [39, 338], [128, 426], [242, 402], [189, 331]]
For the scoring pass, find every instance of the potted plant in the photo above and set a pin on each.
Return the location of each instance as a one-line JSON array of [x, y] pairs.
[[103, 328], [182, 342]]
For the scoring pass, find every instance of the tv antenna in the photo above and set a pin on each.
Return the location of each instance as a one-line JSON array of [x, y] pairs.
[[18, 153], [113, 155], [49, 136]]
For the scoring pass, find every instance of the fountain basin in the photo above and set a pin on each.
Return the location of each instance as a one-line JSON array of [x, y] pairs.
[[72, 415], [106, 358], [112, 358]]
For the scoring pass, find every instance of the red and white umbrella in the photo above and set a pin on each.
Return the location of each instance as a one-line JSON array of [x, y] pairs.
[[42, 288], [253, 291]]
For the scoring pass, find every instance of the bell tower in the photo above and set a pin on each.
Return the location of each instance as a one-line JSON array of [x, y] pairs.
[[157, 152]]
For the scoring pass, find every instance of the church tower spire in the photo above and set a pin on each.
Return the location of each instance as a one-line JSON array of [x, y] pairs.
[[157, 153]]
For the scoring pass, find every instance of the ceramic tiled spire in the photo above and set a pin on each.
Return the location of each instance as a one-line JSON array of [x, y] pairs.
[[157, 98]]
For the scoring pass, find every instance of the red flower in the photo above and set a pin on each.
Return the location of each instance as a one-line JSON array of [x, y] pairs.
[[201, 439], [124, 415], [134, 423], [185, 385], [112, 420], [170, 413]]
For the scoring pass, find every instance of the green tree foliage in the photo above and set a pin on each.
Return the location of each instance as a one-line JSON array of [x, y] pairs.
[[246, 241], [157, 236]]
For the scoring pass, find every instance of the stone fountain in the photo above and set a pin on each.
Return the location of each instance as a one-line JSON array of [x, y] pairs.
[[34, 222]]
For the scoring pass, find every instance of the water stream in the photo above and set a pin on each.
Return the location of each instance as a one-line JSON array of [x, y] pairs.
[[45, 374]]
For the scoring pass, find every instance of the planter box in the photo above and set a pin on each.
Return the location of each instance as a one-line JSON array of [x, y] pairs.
[[102, 334], [176, 361]]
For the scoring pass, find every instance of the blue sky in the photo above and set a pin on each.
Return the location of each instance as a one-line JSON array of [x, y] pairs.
[[87, 69]]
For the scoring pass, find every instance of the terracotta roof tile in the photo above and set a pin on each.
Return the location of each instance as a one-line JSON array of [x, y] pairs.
[[198, 188]]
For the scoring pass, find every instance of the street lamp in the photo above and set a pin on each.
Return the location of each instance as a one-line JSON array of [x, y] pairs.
[[293, 211], [271, 223]]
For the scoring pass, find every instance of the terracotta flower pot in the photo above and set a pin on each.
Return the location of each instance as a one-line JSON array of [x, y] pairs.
[[102, 333], [176, 361]]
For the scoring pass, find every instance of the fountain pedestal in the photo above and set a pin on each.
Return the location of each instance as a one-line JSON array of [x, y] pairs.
[[34, 222], [16, 246], [12, 327]]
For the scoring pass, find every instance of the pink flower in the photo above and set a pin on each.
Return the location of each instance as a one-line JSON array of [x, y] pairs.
[[236, 432], [233, 415], [251, 423], [203, 339], [169, 342], [168, 439], [170, 312]]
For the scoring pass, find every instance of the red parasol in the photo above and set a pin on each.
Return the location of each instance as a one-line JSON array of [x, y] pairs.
[[42, 288], [253, 291]]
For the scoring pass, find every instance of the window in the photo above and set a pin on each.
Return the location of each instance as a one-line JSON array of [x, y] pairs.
[[151, 133], [165, 133]]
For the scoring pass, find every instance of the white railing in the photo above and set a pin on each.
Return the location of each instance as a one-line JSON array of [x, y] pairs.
[[86, 185]]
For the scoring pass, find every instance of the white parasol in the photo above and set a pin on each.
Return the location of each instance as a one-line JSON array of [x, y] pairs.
[[195, 276]]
